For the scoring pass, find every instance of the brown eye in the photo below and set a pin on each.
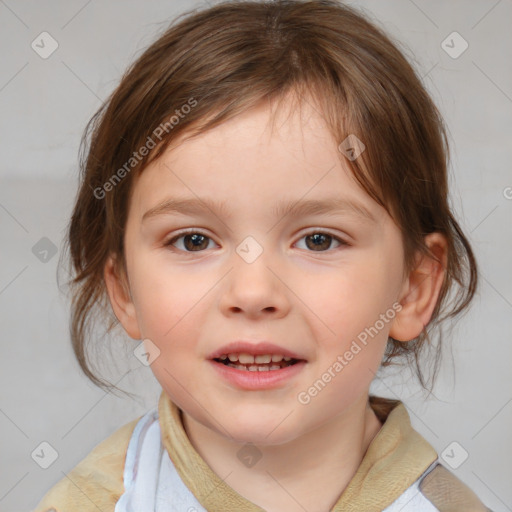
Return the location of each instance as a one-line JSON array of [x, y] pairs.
[[320, 242], [192, 242]]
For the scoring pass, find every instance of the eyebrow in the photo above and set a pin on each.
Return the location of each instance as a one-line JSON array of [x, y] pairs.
[[334, 205]]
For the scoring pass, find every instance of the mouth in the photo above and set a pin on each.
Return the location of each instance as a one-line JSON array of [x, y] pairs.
[[256, 363]]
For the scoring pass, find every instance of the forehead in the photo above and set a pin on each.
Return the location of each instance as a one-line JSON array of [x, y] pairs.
[[264, 156]]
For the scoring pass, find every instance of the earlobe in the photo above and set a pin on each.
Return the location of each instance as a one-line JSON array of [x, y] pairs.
[[421, 290], [120, 298]]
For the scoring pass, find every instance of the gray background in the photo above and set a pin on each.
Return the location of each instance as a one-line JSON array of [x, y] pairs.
[[45, 104]]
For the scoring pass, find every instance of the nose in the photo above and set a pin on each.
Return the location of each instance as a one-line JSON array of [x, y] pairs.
[[256, 289]]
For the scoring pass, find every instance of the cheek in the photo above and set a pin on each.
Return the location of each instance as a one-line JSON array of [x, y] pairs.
[[163, 300], [347, 297], [168, 310], [347, 307]]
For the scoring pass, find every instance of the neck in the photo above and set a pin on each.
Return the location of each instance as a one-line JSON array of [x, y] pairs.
[[309, 472]]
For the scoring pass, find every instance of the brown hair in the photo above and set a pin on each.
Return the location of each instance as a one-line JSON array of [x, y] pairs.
[[231, 57]]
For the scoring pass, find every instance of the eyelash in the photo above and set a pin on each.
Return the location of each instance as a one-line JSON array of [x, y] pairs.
[[192, 231]]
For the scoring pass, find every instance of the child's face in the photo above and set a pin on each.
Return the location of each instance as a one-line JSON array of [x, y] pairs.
[[312, 296]]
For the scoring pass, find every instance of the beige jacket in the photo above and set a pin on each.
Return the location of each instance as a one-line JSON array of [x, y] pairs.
[[395, 459]]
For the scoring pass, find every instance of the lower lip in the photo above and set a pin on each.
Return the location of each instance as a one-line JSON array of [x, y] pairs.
[[246, 379]]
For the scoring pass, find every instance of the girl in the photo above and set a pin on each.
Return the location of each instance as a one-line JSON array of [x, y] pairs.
[[264, 204]]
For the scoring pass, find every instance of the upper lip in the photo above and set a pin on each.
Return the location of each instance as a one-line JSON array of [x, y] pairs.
[[253, 348]]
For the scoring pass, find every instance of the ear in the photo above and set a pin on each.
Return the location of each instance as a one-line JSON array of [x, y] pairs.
[[420, 291], [120, 298]]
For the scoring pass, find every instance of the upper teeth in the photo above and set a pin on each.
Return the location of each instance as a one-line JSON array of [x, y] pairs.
[[249, 359]]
